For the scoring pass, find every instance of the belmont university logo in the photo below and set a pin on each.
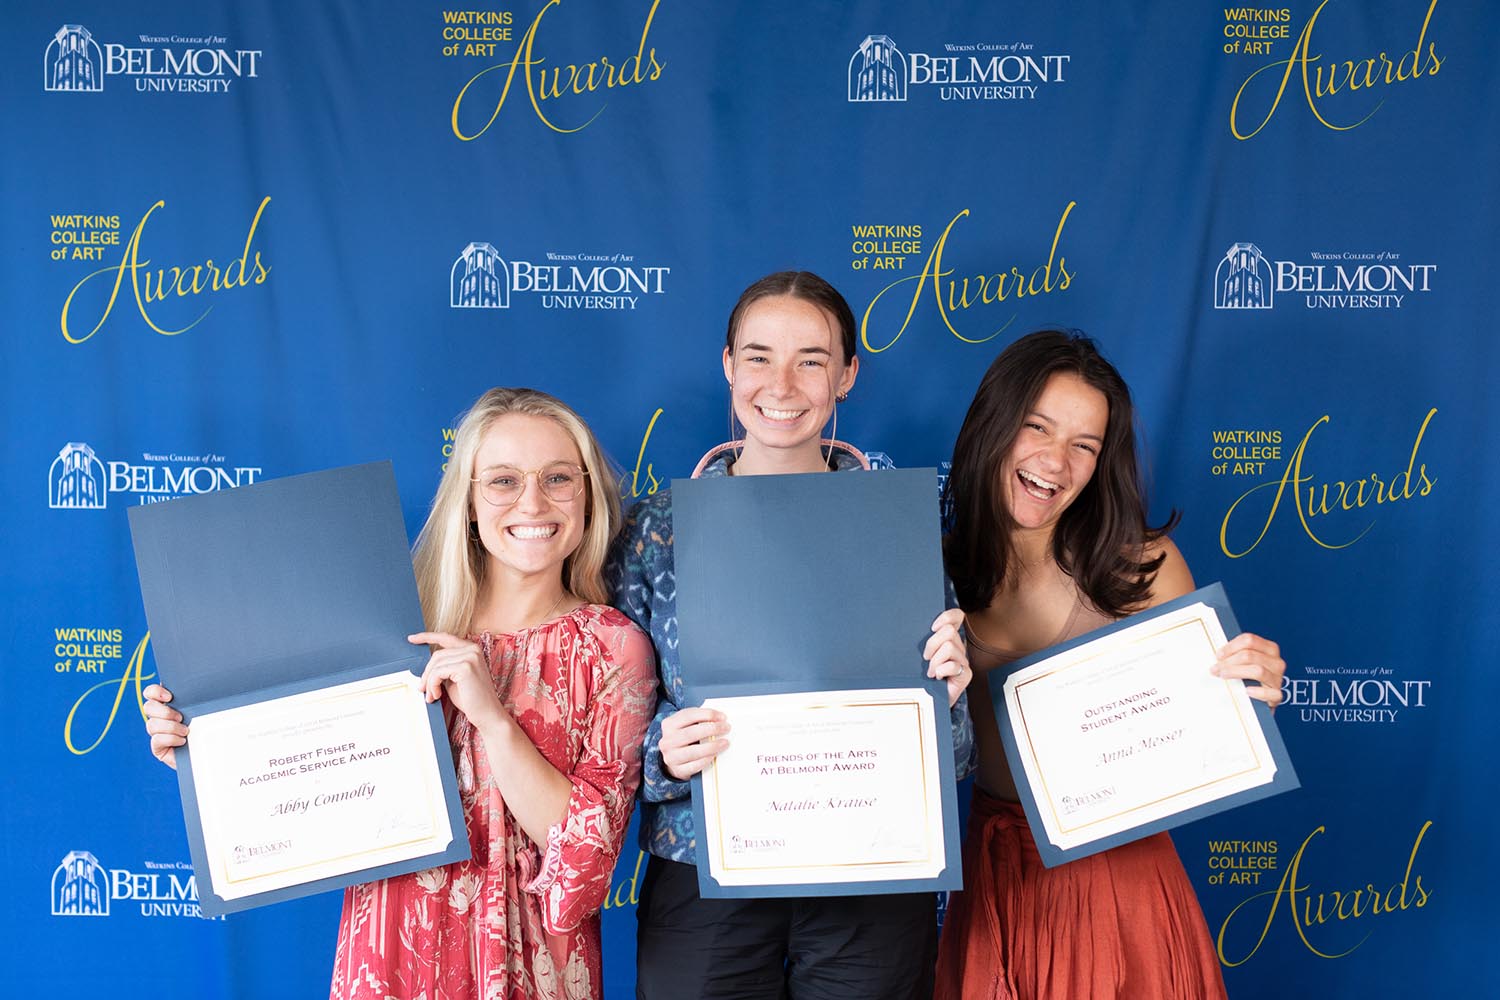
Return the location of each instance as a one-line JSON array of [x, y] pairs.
[[191, 64], [1244, 278], [962, 71], [79, 480], [82, 887], [482, 279]]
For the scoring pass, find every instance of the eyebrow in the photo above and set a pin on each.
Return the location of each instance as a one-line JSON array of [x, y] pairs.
[[1039, 414], [802, 350], [512, 465]]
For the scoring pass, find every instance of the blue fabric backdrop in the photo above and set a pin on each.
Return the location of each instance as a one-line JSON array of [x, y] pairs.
[[247, 240]]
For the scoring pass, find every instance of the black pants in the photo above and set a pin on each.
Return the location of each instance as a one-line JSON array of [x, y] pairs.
[[806, 948]]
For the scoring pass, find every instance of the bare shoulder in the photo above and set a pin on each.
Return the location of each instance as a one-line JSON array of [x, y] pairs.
[[1173, 578]]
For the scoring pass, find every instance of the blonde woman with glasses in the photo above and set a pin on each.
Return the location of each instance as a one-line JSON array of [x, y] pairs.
[[547, 693]]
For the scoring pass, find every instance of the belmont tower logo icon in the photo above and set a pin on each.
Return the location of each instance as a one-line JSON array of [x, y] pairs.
[[80, 887], [76, 479], [877, 71], [1243, 279], [480, 279], [73, 61]]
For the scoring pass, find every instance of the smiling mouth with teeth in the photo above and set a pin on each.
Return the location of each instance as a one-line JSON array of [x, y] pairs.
[[780, 414], [1036, 486], [532, 530]]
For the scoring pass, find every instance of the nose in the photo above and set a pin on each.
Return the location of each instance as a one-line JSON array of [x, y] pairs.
[[532, 499], [781, 382], [1054, 455]]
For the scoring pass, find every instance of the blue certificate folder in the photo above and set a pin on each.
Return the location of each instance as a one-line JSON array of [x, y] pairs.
[[1285, 779], [275, 589], [812, 583]]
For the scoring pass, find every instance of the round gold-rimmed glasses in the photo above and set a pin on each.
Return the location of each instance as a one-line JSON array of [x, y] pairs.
[[502, 485]]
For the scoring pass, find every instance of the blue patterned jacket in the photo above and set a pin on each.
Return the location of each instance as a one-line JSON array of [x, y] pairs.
[[643, 581]]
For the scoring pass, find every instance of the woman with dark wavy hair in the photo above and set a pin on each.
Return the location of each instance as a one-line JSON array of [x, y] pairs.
[[1048, 539]]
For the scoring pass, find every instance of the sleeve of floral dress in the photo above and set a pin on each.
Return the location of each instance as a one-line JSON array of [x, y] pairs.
[[573, 875]]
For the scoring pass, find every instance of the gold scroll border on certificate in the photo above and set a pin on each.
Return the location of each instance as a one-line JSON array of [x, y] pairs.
[[1031, 749], [279, 873], [926, 811]]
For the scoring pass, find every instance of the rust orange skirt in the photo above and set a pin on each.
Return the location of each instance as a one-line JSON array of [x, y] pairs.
[[1120, 924]]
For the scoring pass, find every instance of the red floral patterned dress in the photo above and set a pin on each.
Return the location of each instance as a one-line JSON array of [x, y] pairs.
[[518, 920]]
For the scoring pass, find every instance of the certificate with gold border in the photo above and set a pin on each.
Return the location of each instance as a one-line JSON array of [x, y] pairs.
[[319, 784], [825, 787], [1125, 731]]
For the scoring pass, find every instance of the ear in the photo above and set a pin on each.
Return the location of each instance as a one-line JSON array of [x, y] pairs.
[[851, 370], [728, 360]]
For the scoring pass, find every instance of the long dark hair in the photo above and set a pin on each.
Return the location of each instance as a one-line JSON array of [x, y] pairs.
[[1101, 538], [802, 285]]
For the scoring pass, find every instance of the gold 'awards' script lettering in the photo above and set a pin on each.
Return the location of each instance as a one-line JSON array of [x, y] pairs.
[[981, 289], [1323, 81], [1317, 499], [152, 286], [1318, 916], [553, 83]]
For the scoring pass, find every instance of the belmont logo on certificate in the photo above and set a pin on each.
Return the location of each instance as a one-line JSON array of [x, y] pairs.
[[830, 786], [1125, 732], [803, 604]]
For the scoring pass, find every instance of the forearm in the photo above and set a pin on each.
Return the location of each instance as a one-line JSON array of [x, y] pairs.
[[535, 792]]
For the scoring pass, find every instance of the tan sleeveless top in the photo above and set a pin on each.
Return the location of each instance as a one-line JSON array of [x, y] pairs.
[[993, 775], [1083, 618]]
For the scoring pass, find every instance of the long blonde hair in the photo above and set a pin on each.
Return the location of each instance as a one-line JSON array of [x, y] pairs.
[[450, 562]]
